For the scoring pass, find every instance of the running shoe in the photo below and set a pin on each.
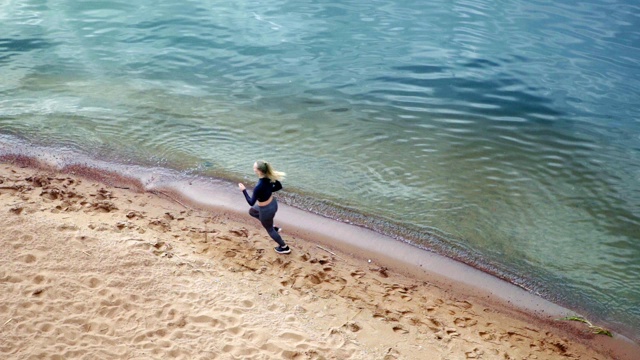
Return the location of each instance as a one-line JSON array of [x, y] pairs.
[[283, 250]]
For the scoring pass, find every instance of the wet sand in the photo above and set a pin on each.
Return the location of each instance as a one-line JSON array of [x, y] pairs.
[[93, 266]]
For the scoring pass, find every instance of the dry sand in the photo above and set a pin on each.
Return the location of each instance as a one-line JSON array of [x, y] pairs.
[[90, 270]]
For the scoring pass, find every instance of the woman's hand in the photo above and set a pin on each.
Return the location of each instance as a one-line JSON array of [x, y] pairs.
[[241, 186]]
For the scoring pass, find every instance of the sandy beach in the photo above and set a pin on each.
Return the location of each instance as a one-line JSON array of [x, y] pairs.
[[95, 269]]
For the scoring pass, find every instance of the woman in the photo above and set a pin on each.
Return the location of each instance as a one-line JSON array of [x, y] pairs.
[[263, 204]]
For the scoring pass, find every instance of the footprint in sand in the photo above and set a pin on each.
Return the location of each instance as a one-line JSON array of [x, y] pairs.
[[94, 282], [243, 352], [160, 225], [291, 337], [67, 227], [29, 258], [436, 323], [207, 320], [315, 279], [46, 327], [352, 326], [488, 336], [462, 304], [399, 329], [103, 206], [465, 322], [474, 354], [514, 337], [247, 304]]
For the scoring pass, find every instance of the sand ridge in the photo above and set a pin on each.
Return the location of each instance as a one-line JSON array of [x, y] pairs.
[[89, 270]]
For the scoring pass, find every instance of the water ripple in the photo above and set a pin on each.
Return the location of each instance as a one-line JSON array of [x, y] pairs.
[[502, 134]]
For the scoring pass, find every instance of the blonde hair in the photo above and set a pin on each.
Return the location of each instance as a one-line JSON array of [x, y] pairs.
[[269, 171]]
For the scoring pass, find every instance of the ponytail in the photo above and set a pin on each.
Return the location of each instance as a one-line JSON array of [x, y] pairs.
[[269, 172]]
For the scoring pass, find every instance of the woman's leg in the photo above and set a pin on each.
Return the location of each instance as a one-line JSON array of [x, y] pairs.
[[267, 213], [253, 211]]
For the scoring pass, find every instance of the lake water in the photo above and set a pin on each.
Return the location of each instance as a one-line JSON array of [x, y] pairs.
[[503, 134]]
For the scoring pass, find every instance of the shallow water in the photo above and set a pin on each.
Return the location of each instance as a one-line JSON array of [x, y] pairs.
[[504, 135]]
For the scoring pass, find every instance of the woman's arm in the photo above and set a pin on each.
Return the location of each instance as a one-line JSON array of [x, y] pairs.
[[254, 197], [251, 200], [276, 186]]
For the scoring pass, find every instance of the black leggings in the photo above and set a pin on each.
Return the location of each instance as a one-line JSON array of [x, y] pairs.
[[266, 214]]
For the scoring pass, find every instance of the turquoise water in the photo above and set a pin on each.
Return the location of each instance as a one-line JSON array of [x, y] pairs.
[[501, 134]]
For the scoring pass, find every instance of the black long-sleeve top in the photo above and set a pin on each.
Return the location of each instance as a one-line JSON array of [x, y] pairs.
[[262, 191]]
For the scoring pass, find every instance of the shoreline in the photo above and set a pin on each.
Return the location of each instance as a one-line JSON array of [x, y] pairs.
[[192, 187], [145, 178], [303, 226]]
